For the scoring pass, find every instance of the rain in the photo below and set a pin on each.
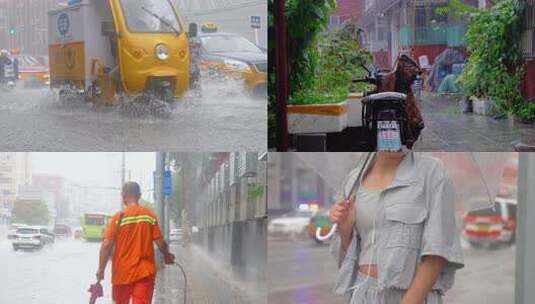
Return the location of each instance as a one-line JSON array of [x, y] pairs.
[[63, 99], [303, 186], [218, 238]]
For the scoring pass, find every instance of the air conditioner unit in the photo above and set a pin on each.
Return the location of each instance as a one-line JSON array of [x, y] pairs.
[[233, 168], [248, 164]]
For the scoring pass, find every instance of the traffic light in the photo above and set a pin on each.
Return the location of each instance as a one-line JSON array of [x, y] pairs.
[[12, 31]]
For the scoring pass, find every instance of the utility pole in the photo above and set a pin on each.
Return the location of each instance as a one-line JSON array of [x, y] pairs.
[[281, 71], [159, 194], [166, 206], [525, 245]]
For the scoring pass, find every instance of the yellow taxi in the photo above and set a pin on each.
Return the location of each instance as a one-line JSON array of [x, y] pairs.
[[233, 56]]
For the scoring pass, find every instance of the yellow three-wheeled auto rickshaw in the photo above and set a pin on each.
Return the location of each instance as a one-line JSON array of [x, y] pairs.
[[106, 48]]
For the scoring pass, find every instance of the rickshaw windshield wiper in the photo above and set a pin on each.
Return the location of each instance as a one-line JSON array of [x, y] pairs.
[[162, 20]]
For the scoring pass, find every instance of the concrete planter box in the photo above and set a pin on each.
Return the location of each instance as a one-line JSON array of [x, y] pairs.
[[354, 109], [325, 118], [317, 118], [484, 107]]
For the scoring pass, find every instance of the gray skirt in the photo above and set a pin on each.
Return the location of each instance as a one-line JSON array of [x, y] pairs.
[[365, 292]]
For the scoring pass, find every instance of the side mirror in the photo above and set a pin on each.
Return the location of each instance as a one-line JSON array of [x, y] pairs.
[[193, 30], [107, 29]]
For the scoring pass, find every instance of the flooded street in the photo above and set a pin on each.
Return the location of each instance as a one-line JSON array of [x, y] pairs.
[[60, 273], [33, 119]]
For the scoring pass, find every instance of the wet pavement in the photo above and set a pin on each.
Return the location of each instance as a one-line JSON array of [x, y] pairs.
[[448, 129], [304, 272], [57, 274], [223, 120], [300, 272], [208, 282]]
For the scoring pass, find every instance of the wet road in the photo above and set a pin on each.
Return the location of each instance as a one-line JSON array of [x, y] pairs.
[[303, 272], [447, 129], [223, 120], [300, 272], [62, 272], [58, 274]]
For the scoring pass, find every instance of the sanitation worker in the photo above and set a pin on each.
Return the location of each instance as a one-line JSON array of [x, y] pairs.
[[129, 241]]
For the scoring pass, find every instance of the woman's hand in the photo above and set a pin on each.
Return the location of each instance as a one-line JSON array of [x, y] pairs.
[[426, 276], [343, 214]]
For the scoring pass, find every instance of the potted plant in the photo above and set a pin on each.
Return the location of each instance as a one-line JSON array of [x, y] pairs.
[[330, 101]]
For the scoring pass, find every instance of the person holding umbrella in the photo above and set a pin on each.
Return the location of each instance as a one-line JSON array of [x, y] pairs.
[[397, 238], [129, 241]]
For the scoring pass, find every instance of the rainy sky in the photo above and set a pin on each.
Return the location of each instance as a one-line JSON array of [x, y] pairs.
[[102, 169]]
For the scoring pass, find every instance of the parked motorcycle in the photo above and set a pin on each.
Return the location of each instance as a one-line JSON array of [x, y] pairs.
[[7, 84], [391, 118]]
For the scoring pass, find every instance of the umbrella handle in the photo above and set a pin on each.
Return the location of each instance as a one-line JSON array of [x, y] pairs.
[[328, 235]]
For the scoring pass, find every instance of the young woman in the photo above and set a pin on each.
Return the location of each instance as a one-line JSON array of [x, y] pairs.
[[398, 241]]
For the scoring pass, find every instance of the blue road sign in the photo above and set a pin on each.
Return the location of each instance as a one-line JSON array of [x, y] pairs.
[[167, 183], [255, 22]]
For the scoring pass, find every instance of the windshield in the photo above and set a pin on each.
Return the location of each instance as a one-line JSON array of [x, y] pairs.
[[95, 219], [487, 211], [150, 16], [227, 43], [27, 231], [299, 213]]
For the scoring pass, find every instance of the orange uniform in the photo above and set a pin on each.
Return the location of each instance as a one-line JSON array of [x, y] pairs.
[[133, 259]]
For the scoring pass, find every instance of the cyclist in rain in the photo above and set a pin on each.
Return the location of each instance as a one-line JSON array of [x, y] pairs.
[[8, 66], [397, 238]]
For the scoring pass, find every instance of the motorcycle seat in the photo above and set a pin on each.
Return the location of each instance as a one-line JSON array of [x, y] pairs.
[[385, 96]]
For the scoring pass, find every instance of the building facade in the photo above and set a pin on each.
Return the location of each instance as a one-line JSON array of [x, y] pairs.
[[23, 25], [346, 10], [224, 195], [15, 171], [291, 184], [230, 15], [410, 26]]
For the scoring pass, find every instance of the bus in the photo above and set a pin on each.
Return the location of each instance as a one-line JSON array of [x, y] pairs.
[[93, 225]]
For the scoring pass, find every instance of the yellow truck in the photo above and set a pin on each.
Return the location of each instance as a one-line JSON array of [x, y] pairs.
[[101, 49]]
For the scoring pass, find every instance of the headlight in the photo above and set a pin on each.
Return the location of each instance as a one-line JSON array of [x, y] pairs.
[[162, 52], [236, 64]]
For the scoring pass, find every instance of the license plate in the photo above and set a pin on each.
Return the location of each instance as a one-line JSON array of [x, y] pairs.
[[388, 136], [483, 227]]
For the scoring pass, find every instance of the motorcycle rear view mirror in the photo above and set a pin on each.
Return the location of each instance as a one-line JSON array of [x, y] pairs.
[[193, 30], [107, 28]]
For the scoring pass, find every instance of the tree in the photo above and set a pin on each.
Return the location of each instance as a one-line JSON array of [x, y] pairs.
[[31, 212]]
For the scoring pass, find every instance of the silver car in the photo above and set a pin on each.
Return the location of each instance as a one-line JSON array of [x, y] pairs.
[[32, 237]]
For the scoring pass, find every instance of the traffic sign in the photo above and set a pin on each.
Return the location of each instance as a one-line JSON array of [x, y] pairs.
[[255, 22], [167, 183]]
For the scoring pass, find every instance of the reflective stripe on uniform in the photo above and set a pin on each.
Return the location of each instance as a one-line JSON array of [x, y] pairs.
[[138, 219]]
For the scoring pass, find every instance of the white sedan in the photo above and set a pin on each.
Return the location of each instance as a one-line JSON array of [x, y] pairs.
[[293, 224]]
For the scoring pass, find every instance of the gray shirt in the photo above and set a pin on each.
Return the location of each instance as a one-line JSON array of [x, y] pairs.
[[416, 217], [366, 208]]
